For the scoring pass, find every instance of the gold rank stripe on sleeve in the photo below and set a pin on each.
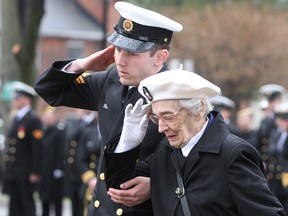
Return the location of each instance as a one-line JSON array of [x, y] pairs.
[[80, 80]]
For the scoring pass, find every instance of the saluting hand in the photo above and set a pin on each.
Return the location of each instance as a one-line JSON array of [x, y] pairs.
[[134, 127], [97, 61]]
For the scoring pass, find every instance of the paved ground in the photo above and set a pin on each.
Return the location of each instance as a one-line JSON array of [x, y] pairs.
[[4, 206]]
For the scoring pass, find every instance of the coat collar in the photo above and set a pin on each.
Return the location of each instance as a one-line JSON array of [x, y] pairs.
[[213, 136], [210, 142]]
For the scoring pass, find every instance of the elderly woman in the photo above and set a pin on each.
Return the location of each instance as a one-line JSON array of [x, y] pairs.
[[200, 168]]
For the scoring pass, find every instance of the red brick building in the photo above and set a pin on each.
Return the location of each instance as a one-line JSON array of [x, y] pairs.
[[73, 28]]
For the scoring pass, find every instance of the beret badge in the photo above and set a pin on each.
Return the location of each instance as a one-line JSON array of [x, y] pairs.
[[147, 93], [128, 25]]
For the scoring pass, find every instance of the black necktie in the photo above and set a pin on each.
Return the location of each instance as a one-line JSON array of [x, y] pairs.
[[128, 93]]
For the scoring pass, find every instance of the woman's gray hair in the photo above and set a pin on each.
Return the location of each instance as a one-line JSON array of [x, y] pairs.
[[196, 105]]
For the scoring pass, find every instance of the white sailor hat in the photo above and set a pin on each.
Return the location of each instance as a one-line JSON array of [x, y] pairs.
[[139, 29], [176, 84], [22, 89], [220, 102], [271, 91], [281, 110]]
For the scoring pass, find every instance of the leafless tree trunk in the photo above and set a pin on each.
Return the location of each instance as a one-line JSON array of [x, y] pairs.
[[21, 20]]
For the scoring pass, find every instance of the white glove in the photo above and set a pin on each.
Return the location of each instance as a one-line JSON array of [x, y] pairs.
[[134, 127]]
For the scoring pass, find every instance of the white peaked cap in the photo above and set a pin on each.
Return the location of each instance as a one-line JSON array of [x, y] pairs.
[[21, 88], [222, 101], [146, 17], [140, 30], [271, 88], [176, 84]]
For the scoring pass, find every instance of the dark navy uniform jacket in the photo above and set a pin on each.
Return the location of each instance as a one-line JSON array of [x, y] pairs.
[[51, 187], [23, 148], [100, 91], [223, 175]]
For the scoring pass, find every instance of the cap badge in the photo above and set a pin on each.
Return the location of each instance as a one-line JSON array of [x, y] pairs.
[[128, 25], [147, 94]]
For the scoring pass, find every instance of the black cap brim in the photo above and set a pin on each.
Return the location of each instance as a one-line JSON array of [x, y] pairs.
[[129, 44]]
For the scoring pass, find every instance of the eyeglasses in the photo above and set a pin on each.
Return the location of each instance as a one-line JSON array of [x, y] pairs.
[[166, 118]]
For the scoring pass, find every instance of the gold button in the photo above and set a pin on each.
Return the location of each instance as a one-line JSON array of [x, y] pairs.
[[269, 176], [96, 203], [119, 211], [264, 140], [265, 157], [13, 141], [278, 176], [73, 143], [264, 148], [12, 150], [70, 160], [279, 168], [93, 157], [271, 166], [92, 165], [102, 176], [72, 151]]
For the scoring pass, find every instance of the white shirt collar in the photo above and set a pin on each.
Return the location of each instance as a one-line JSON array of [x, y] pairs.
[[187, 148], [22, 112]]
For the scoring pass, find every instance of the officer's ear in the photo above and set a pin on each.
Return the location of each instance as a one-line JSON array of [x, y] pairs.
[[161, 56]]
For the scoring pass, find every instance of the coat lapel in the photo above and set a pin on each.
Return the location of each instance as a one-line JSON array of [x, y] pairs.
[[191, 160], [209, 137]]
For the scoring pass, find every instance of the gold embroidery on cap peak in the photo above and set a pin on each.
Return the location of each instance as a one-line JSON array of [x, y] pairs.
[[128, 25]]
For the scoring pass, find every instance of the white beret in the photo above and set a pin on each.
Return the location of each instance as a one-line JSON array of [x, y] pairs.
[[139, 29], [176, 84]]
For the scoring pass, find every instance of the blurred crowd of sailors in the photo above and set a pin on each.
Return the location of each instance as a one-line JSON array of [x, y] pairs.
[[57, 157]]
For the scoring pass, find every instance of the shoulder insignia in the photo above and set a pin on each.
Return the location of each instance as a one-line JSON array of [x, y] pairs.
[[37, 134]]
